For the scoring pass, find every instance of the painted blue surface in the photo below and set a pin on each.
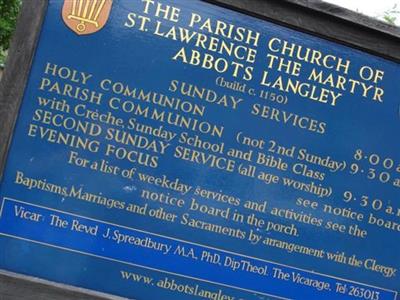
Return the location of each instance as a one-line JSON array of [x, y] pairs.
[[143, 60]]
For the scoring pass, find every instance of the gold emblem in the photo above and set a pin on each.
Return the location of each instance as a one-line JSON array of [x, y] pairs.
[[86, 16]]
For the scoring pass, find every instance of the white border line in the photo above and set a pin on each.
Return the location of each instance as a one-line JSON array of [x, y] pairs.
[[2, 205], [182, 241], [141, 266]]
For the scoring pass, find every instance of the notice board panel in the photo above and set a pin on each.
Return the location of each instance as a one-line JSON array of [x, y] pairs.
[[182, 150]]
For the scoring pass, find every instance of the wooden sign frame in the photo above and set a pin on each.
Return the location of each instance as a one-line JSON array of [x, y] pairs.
[[311, 16]]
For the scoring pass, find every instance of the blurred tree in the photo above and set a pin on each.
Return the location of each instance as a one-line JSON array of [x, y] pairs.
[[8, 17], [391, 15]]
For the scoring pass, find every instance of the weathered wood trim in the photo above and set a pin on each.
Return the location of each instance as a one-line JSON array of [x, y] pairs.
[[327, 21], [348, 15], [14, 286], [15, 76]]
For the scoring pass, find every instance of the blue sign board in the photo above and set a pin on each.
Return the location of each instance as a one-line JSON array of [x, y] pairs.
[[180, 150]]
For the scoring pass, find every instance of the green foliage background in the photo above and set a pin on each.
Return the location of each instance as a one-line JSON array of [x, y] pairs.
[[8, 17], [391, 15]]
